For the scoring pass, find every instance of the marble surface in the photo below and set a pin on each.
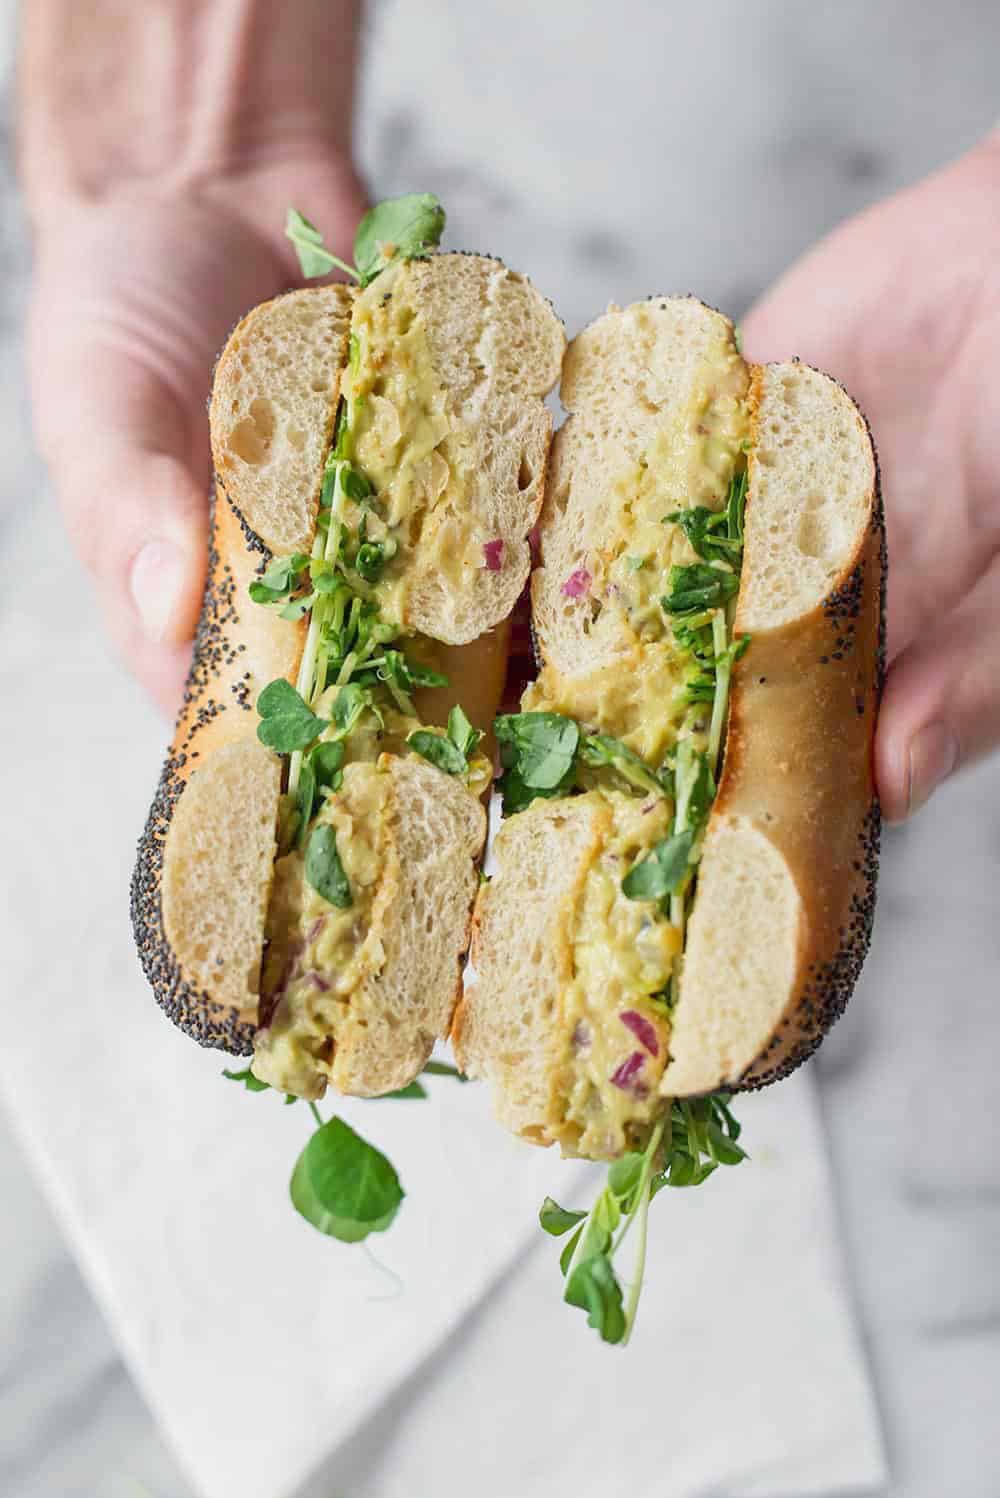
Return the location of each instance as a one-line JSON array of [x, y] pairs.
[[570, 140]]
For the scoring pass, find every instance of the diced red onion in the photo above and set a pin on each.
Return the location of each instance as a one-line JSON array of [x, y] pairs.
[[577, 583], [580, 1039], [643, 1029], [626, 1076], [315, 929], [493, 552], [318, 981]]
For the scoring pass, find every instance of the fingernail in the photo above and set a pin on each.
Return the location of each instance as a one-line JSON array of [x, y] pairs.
[[157, 582], [933, 755]]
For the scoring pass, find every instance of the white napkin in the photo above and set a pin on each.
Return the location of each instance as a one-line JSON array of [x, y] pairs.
[[274, 1357]]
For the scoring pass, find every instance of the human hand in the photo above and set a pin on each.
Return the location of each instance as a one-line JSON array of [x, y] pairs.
[[902, 304], [159, 158], [132, 302]]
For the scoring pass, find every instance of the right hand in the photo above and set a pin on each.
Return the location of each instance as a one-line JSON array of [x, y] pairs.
[[135, 292]]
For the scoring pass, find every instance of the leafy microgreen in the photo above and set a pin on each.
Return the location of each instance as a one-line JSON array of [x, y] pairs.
[[324, 870], [663, 869], [343, 1186], [716, 535], [461, 732], [695, 785], [450, 752], [295, 608], [600, 749], [356, 484], [403, 228], [305, 798], [412, 1090], [442, 1069], [278, 579], [537, 752], [698, 586], [286, 723], [314, 258], [250, 1082], [635, 564], [326, 761], [438, 750], [684, 1149], [594, 1287], [705, 530], [348, 706], [369, 563], [557, 1220]]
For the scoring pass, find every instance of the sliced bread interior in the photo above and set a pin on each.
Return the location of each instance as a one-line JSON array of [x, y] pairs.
[[357, 991]]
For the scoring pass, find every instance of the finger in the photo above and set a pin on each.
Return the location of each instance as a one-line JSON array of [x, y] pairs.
[[941, 707], [132, 485]]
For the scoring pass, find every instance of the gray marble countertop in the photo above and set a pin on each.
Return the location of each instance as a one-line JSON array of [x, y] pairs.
[[615, 171]]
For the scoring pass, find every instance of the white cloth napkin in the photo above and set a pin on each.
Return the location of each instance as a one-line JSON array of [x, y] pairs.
[[281, 1362]]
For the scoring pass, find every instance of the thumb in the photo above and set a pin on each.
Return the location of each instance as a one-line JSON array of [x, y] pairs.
[[133, 491], [941, 707]]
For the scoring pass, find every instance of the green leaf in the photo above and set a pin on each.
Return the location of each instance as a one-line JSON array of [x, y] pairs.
[[370, 561], [343, 1186], [442, 1069], [593, 1287], [314, 258], [327, 582], [736, 506], [404, 228], [597, 749], [326, 761], [723, 1149], [324, 870], [635, 564], [461, 732], [356, 484], [624, 1173], [286, 723], [695, 784], [350, 703], [278, 579], [539, 747], [557, 1220], [423, 676], [566, 1257], [250, 1082], [706, 531], [662, 871], [699, 586], [438, 750], [305, 798], [411, 1090], [296, 607]]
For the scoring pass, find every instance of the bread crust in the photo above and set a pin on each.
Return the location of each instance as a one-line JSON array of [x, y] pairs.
[[799, 771], [238, 649]]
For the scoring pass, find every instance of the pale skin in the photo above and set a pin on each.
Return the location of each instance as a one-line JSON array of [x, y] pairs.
[[160, 146]]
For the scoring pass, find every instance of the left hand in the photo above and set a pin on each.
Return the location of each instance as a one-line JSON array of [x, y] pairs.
[[902, 304]]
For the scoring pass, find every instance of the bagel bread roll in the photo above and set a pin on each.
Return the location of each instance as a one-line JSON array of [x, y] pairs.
[[445, 360], [586, 1009]]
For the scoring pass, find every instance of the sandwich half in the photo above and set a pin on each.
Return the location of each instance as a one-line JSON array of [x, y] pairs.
[[684, 890], [305, 879]]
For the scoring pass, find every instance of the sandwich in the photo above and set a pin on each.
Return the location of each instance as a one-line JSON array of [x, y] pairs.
[[306, 876], [684, 879], [683, 882]]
